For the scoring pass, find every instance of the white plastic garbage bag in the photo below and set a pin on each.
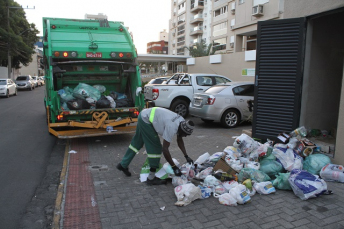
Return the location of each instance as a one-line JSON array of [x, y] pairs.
[[245, 144], [306, 185], [211, 181], [201, 159], [265, 187], [227, 199], [240, 194], [232, 152], [187, 193], [204, 173], [176, 181], [332, 172]]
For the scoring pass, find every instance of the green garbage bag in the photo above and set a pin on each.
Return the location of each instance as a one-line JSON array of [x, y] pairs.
[[253, 174], [270, 167], [281, 181], [314, 163]]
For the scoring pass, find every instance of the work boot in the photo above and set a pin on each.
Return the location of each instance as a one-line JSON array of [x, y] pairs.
[[124, 170], [156, 181]]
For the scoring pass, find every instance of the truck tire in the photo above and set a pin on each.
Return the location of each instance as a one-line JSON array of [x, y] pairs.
[[231, 118], [180, 107]]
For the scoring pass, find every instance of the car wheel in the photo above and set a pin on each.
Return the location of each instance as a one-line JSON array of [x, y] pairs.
[[207, 121], [231, 118], [31, 88], [16, 92], [180, 107], [8, 94]]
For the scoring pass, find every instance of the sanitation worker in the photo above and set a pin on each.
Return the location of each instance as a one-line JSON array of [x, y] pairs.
[[153, 122]]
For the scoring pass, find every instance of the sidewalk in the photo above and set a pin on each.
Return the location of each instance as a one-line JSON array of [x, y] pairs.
[[97, 195]]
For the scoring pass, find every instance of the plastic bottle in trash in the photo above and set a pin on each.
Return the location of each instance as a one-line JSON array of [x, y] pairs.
[[301, 131], [225, 176]]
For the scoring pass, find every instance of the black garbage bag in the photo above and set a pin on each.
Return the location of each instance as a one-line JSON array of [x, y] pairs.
[[103, 102], [124, 102], [78, 104], [114, 95]]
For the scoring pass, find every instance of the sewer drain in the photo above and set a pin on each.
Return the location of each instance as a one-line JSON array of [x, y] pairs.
[[98, 167]]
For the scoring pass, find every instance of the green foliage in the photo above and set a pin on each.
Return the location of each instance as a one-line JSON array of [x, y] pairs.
[[200, 49], [18, 37]]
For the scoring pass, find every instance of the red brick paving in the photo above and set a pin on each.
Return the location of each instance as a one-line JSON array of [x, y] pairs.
[[80, 209]]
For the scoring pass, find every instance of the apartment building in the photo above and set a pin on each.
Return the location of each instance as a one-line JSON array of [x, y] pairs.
[[190, 22]]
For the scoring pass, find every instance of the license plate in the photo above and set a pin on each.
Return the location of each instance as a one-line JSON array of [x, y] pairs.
[[197, 102], [93, 55]]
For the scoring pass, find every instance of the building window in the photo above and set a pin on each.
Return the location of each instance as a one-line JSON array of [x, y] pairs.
[[180, 51], [220, 11], [220, 44], [181, 41], [181, 6], [220, 29], [181, 19], [181, 30], [251, 42], [241, 1]]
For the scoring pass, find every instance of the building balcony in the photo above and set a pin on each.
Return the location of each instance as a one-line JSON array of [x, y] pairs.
[[197, 18], [180, 43], [196, 30], [196, 8]]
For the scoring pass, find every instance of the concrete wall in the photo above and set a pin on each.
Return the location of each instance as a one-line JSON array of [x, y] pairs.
[[339, 155], [31, 69], [301, 8], [323, 72], [231, 66], [3, 72]]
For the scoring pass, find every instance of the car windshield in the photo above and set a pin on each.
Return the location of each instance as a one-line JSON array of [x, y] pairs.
[[22, 78], [2, 82], [216, 89]]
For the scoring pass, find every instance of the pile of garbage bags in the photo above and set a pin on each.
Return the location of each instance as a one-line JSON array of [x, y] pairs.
[[85, 96], [248, 167]]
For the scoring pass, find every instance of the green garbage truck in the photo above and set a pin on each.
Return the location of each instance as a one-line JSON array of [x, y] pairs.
[[93, 83]]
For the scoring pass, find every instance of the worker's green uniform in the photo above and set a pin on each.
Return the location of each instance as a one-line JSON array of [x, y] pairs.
[[151, 123]]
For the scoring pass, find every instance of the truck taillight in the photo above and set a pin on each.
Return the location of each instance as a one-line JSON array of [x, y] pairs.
[[60, 117], [136, 114], [56, 54], [65, 54], [210, 100], [120, 54], [155, 93]]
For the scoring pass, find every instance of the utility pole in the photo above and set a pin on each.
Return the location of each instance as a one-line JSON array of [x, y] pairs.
[[9, 60]]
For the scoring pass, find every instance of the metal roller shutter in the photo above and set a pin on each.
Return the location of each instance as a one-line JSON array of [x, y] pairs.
[[279, 68]]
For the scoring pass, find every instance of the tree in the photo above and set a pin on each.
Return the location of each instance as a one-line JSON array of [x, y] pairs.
[[200, 49], [19, 38]]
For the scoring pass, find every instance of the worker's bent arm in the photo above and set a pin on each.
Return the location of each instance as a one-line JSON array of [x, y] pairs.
[[166, 152], [181, 144]]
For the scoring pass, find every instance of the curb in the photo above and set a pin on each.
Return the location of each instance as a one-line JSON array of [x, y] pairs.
[[61, 189]]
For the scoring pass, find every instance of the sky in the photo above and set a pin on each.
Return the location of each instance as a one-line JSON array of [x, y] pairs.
[[145, 18]]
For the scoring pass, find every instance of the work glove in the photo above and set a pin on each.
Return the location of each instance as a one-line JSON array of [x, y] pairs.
[[189, 160], [176, 171]]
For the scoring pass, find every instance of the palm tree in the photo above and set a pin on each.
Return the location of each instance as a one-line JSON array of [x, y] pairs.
[[200, 49]]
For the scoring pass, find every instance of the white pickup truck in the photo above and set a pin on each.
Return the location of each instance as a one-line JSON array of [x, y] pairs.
[[178, 91]]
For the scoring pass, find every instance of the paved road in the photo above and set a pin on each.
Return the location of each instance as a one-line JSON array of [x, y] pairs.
[[25, 150]]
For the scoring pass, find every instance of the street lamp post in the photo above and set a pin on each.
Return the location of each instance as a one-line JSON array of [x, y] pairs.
[[9, 64]]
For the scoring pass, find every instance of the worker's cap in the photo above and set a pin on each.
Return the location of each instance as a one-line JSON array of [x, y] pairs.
[[187, 126]]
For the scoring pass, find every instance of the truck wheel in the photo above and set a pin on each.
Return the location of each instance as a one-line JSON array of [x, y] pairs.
[[207, 121], [180, 107], [231, 118]]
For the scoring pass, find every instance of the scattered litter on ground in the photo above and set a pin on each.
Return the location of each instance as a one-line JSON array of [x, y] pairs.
[[162, 208], [72, 151], [251, 166]]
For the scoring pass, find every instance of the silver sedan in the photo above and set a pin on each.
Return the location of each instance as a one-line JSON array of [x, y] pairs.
[[228, 103]]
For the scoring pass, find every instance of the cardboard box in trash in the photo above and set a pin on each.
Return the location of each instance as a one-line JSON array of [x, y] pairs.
[[222, 165]]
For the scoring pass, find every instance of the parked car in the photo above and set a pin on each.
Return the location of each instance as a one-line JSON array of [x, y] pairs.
[[227, 103], [25, 82], [178, 91], [36, 81], [41, 79], [7, 88], [158, 80]]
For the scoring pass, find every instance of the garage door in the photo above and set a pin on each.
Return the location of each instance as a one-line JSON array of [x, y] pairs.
[[279, 64]]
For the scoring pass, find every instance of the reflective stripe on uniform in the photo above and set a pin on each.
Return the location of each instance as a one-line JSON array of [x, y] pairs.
[[133, 149], [154, 155], [151, 116]]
